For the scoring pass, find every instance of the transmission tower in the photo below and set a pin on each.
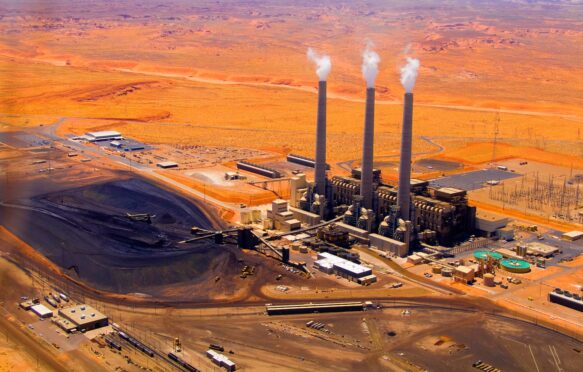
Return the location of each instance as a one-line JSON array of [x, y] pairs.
[[496, 131]]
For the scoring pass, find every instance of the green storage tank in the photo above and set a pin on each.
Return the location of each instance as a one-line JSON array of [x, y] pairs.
[[515, 266], [482, 255]]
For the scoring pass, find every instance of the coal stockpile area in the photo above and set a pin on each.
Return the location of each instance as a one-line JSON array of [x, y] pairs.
[[86, 231]]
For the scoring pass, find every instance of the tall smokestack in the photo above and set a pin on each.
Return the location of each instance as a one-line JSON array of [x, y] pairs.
[[408, 77], [370, 61], [366, 175], [404, 191], [324, 66], [320, 169]]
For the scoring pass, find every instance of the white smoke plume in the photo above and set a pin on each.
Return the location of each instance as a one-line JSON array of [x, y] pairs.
[[409, 74], [323, 64], [370, 65]]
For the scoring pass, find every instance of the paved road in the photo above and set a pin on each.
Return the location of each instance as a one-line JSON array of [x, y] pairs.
[[403, 273], [45, 360]]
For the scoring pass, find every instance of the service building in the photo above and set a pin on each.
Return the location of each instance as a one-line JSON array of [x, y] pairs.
[[167, 164], [84, 317], [330, 263], [42, 311], [106, 135]]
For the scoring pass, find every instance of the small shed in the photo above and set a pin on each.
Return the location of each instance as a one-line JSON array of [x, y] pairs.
[[167, 164], [42, 311]]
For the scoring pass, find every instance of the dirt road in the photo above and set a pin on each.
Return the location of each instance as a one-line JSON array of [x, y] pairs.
[[344, 97], [37, 356]]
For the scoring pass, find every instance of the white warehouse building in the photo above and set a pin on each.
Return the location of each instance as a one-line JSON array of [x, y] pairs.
[[105, 135], [330, 263]]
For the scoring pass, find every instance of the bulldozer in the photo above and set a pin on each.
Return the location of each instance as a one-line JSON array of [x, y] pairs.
[[141, 217]]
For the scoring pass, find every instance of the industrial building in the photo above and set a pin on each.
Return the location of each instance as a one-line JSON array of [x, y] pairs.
[[464, 274], [411, 213], [258, 169], [84, 317], [490, 224], [331, 264], [167, 164], [310, 219], [26, 305], [519, 253], [64, 324], [387, 244], [540, 249], [305, 161], [221, 360], [505, 233], [41, 310], [280, 218], [314, 308], [439, 215], [134, 147], [249, 216], [572, 236], [106, 135], [233, 176], [566, 298]]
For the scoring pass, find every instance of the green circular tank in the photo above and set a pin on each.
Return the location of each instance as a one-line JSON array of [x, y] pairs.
[[483, 255], [515, 266]]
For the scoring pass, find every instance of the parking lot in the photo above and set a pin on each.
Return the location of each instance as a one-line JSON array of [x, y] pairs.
[[473, 180], [22, 140], [56, 336]]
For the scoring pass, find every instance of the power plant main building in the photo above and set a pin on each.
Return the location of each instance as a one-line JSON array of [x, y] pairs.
[[404, 216]]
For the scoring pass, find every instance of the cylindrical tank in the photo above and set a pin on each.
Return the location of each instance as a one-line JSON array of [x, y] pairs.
[[295, 246], [436, 269], [521, 250], [482, 255], [303, 249], [515, 266], [488, 280], [446, 271]]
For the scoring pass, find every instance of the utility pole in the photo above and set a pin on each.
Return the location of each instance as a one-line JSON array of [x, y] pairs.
[[50, 156], [496, 131]]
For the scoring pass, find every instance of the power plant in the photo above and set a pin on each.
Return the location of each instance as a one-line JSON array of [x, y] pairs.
[[400, 217], [194, 206]]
